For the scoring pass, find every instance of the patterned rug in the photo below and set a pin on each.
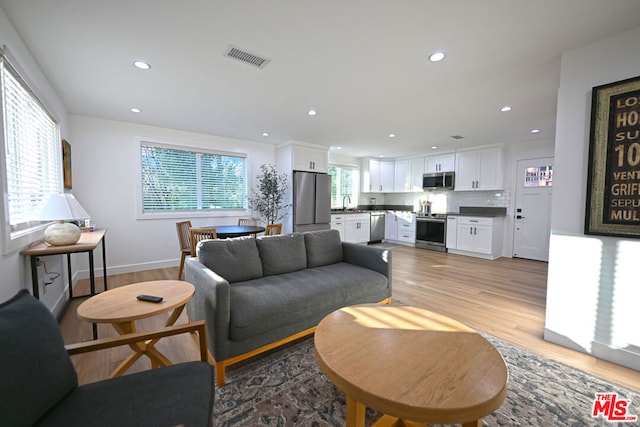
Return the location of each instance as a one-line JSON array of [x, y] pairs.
[[287, 388]]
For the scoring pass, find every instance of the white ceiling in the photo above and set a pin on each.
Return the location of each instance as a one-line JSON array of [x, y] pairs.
[[362, 64]]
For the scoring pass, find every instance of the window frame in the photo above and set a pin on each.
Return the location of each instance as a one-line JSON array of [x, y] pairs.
[[14, 241], [356, 182], [181, 214]]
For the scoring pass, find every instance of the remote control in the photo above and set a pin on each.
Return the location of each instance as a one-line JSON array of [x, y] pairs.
[[149, 298]]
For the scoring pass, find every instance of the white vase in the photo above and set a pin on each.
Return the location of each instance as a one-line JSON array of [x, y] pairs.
[[61, 234]]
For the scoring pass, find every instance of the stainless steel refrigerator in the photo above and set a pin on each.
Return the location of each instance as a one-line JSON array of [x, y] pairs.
[[311, 201]]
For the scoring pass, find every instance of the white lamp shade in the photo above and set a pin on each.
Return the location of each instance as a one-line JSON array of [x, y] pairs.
[[60, 207]]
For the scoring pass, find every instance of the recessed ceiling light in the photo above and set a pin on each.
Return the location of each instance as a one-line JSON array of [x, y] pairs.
[[392, 135], [436, 56], [434, 147], [312, 112], [265, 133], [135, 110], [505, 109], [142, 65], [535, 130], [333, 147]]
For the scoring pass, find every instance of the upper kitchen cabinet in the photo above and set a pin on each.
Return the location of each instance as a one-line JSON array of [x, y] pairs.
[[417, 170], [377, 176], [440, 163], [402, 180], [408, 176], [309, 159], [478, 170]]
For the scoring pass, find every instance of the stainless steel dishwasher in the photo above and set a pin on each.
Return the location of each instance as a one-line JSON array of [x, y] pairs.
[[376, 233]]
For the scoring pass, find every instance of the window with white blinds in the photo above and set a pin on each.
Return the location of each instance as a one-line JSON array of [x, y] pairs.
[[179, 179], [32, 150]]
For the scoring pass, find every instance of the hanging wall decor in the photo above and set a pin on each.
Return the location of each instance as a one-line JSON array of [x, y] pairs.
[[66, 164], [613, 180]]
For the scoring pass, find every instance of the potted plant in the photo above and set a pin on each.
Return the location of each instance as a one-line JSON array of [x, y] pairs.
[[267, 200]]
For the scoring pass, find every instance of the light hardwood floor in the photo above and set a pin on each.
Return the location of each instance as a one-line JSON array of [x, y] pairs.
[[504, 298]]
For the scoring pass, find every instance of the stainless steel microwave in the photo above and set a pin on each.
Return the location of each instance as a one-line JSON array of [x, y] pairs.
[[438, 181]]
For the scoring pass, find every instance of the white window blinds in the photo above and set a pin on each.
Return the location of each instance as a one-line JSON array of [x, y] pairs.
[[177, 179], [32, 148]]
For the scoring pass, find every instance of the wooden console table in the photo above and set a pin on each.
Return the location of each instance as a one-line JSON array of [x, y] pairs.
[[89, 240]]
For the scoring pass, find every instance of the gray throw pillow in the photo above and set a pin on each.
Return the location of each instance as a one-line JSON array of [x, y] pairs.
[[35, 368], [282, 254], [323, 247], [234, 259]]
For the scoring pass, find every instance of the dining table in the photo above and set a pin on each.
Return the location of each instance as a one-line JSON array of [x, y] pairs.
[[228, 231]]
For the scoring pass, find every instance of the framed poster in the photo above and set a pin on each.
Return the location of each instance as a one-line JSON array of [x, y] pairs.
[[613, 180], [66, 164]]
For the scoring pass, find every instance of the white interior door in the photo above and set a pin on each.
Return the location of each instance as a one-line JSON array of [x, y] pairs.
[[533, 209]]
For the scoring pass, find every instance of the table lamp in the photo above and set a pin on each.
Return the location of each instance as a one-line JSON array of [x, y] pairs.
[[61, 207]]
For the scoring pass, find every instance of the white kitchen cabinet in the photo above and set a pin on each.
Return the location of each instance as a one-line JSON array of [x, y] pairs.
[[417, 170], [357, 228], [478, 236], [400, 227], [338, 223], [406, 227], [402, 179], [408, 175], [390, 226], [478, 170], [377, 176], [440, 163], [452, 232], [310, 159]]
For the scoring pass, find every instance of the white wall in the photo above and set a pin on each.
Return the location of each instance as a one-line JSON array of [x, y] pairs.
[[593, 286], [14, 268], [105, 164]]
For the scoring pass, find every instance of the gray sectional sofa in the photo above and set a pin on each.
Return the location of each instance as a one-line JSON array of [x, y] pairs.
[[256, 294]]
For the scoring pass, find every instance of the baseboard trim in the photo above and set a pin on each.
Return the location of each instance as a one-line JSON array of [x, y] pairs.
[[129, 268], [619, 356]]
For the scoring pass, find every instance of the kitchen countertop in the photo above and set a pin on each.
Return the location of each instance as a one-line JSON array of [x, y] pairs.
[[349, 212], [481, 211]]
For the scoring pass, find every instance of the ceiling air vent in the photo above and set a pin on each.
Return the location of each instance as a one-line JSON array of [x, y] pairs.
[[246, 57], [457, 136]]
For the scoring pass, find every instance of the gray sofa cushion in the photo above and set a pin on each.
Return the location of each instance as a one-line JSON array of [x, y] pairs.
[[35, 368], [323, 247], [145, 398], [282, 254], [262, 305], [225, 256]]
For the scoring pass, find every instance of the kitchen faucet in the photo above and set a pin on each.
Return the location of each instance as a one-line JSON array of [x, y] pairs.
[[344, 206]]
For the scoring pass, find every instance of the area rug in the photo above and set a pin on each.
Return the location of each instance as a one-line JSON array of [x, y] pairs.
[[287, 388]]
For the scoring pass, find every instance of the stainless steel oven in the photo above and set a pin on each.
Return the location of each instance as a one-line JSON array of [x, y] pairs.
[[431, 232]]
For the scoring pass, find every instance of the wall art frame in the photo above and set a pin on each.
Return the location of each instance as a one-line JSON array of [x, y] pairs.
[[66, 164], [613, 178]]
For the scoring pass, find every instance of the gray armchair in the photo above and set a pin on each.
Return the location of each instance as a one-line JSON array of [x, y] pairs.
[[40, 385]]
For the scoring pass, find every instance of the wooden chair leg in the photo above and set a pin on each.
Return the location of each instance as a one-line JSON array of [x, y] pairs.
[[182, 258], [220, 369]]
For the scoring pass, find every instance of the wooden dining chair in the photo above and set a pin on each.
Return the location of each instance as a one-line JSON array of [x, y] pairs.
[[249, 221], [273, 229], [198, 234], [185, 243]]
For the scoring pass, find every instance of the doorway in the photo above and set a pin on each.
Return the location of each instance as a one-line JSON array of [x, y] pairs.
[[532, 225]]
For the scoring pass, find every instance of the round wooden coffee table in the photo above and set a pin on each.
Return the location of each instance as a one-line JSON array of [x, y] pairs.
[[120, 307], [413, 365]]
